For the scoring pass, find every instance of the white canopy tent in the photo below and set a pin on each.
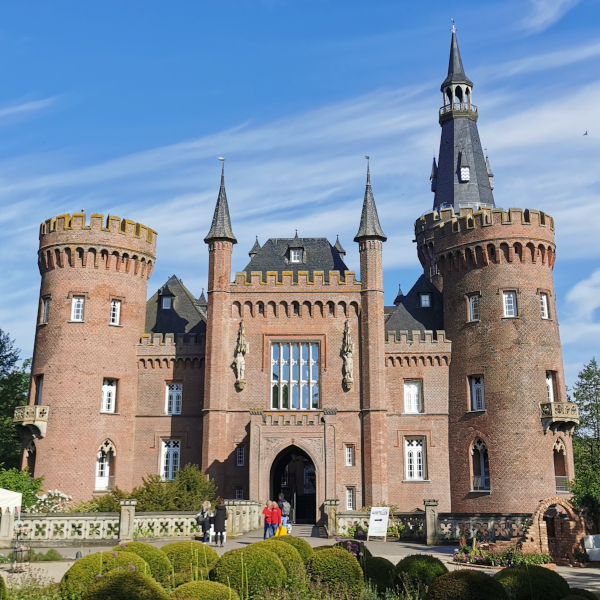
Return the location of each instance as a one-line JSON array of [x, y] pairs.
[[10, 500]]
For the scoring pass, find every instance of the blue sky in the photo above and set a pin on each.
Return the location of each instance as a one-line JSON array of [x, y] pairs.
[[123, 107]]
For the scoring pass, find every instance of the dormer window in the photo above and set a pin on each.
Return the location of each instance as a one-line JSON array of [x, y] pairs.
[[166, 303], [425, 300], [296, 255]]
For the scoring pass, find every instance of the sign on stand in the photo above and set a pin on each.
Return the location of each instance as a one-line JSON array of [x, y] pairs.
[[378, 522]]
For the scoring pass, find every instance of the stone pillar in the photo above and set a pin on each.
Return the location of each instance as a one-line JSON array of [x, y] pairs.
[[431, 521], [7, 527], [330, 509], [126, 522]]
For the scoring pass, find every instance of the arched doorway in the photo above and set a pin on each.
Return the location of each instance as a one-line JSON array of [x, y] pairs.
[[293, 475]]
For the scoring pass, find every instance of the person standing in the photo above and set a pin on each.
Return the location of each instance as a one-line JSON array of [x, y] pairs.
[[275, 518], [267, 514], [220, 521], [203, 520], [285, 508]]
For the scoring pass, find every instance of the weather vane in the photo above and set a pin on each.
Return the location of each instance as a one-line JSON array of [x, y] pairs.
[[453, 28], [221, 159]]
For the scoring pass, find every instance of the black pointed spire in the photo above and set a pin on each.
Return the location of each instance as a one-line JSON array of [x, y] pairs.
[[202, 300], [456, 72], [369, 220], [489, 171], [433, 176], [399, 297], [338, 247], [220, 228], [254, 251]]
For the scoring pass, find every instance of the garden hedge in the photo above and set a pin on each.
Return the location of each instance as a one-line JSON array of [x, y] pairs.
[[85, 570], [125, 585], [289, 557], [530, 582], [354, 547], [190, 560], [204, 590], [466, 584], [157, 560], [336, 569], [422, 566], [304, 548], [3, 593], [379, 572], [579, 593], [249, 569]]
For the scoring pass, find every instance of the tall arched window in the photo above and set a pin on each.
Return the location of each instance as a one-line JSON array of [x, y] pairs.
[[414, 459], [170, 459], [105, 467], [481, 465], [560, 466]]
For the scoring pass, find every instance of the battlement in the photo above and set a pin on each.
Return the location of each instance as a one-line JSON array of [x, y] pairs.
[[168, 339], [346, 281], [421, 350], [418, 339]]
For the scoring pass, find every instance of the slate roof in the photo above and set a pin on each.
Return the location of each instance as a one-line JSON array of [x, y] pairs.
[[409, 316], [456, 72], [317, 255], [220, 228], [186, 314], [369, 220]]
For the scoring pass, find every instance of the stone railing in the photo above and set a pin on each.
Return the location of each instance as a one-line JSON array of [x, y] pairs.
[[484, 527], [559, 416], [459, 106], [32, 415], [409, 525]]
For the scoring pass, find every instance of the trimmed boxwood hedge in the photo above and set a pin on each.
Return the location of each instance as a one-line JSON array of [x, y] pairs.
[[190, 560], [85, 570], [422, 566], [466, 584], [249, 569], [289, 557], [579, 593], [304, 548], [354, 547], [125, 585], [530, 582], [379, 572], [204, 590], [336, 569], [157, 560]]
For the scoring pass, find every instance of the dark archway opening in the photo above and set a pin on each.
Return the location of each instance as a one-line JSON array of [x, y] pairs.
[[293, 475]]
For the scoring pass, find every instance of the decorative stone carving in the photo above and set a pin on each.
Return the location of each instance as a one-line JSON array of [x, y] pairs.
[[314, 445], [348, 367], [239, 363]]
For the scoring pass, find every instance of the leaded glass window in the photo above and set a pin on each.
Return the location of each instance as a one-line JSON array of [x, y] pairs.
[[295, 376]]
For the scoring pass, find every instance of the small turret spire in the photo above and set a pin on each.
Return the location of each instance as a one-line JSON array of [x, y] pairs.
[[339, 247], [220, 228], [433, 176], [369, 220], [456, 71], [399, 297], [254, 251]]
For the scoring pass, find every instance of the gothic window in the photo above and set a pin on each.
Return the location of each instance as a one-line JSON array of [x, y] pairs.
[[295, 376], [510, 304], [104, 465], [481, 465], [349, 450], [550, 385], [425, 300], [477, 392], [412, 397], [414, 459], [174, 394], [240, 456], [350, 498], [544, 306], [170, 459], [77, 304], [560, 466], [474, 308], [115, 312], [109, 395]]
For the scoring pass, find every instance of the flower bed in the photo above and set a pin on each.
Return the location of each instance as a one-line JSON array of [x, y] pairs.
[[511, 558]]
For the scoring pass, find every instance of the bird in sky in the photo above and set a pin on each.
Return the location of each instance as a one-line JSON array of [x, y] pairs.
[[585, 133]]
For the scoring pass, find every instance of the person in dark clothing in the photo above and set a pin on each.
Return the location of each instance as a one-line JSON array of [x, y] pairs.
[[220, 521], [203, 520]]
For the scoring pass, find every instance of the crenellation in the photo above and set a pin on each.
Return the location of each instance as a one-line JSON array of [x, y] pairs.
[[285, 280]]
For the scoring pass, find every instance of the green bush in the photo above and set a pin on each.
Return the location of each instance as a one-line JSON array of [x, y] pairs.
[[190, 560], [380, 572], [3, 594], [157, 560], [290, 559], [16, 480], [303, 547], [204, 590], [422, 566], [354, 547], [319, 548], [579, 593], [125, 585], [528, 582], [465, 584], [249, 571], [86, 570], [336, 569]]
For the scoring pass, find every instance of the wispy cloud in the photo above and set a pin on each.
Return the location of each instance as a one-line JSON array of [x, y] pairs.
[[24, 108], [545, 13]]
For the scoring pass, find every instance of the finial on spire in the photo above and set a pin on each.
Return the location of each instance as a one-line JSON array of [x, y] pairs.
[[221, 224], [453, 30], [369, 220]]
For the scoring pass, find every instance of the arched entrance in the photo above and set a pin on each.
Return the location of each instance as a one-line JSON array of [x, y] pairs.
[[293, 475]]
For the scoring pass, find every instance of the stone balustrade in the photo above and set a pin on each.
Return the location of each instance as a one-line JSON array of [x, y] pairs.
[[559, 416], [33, 416], [484, 527]]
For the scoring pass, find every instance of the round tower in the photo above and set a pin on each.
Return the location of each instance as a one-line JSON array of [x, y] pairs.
[[510, 421], [84, 376]]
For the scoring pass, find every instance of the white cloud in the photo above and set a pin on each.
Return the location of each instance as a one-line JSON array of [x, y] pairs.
[[582, 325], [545, 13], [24, 108]]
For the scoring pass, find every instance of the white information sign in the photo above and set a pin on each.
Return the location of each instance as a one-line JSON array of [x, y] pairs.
[[378, 522]]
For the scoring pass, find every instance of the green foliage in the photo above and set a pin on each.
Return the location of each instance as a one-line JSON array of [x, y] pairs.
[[85, 571], [23, 482], [579, 593], [204, 590], [125, 585], [422, 566], [337, 569], [31, 555], [532, 583], [510, 558], [193, 488], [32, 585], [3, 592], [355, 548], [466, 585], [290, 559], [302, 546], [157, 560], [319, 548], [249, 572], [191, 561], [379, 572]]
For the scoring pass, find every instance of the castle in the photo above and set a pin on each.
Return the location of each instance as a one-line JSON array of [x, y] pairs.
[[294, 377]]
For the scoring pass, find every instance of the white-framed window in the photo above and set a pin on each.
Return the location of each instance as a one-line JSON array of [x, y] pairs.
[[109, 396], [295, 255], [414, 459], [102, 471], [350, 498], [550, 384], [477, 392], [473, 308], [481, 465], [544, 305], [240, 456], [510, 304], [170, 459], [165, 302], [39, 387], [294, 375], [173, 398], [425, 300], [77, 304], [239, 493], [349, 450], [45, 308], [412, 397], [115, 312]]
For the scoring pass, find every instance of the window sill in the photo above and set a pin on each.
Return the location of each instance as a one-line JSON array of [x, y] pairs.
[[413, 414], [42, 324], [509, 318], [69, 321], [115, 325], [476, 411], [474, 322], [106, 412], [416, 481], [172, 415], [487, 492]]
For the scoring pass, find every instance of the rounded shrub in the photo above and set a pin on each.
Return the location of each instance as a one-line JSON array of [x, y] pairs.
[[379, 572], [290, 559], [530, 582], [125, 585], [319, 548], [304, 548], [190, 560], [424, 567], [250, 571], [204, 590], [465, 584], [336, 569], [86, 570], [157, 560], [579, 593], [354, 547], [3, 593]]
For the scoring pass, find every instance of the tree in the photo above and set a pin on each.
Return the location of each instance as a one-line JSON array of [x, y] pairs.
[[21, 481]]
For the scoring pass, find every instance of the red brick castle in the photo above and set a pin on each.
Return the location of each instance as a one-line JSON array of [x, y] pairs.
[[294, 377]]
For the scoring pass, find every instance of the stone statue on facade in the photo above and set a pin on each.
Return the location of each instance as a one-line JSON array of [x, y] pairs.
[[239, 363], [348, 366]]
